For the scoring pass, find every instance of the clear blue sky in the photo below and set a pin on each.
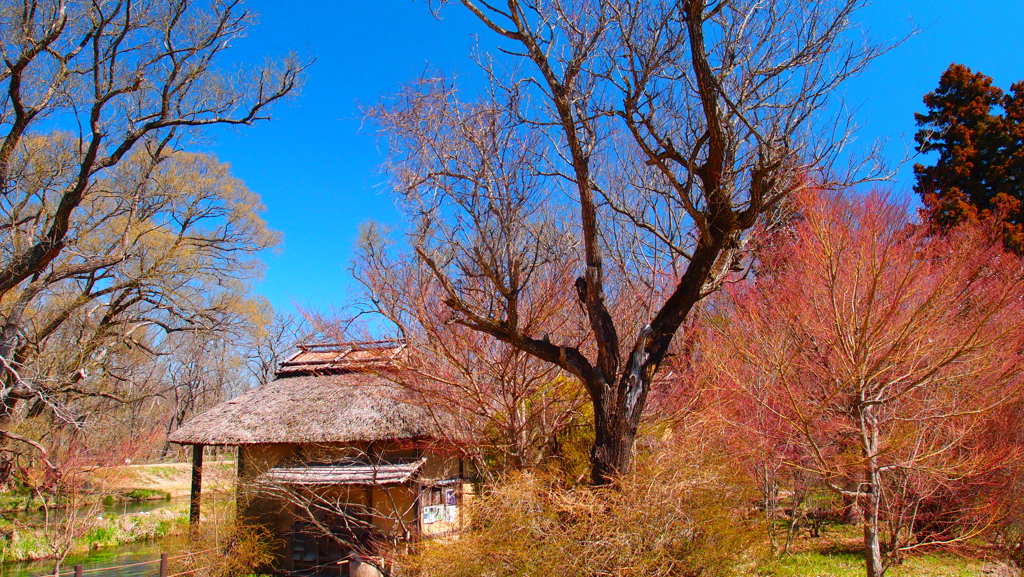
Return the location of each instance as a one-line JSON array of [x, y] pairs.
[[317, 167]]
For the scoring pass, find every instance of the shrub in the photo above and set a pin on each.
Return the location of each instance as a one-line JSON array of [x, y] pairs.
[[229, 551], [677, 515], [1008, 542], [147, 495], [102, 536]]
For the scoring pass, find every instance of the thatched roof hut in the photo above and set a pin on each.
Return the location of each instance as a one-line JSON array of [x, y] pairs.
[[332, 408], [323, 394], [334, 427]]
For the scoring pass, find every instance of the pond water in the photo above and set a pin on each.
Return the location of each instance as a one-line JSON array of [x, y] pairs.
[[130, 554], [114, 508], [122, 561]]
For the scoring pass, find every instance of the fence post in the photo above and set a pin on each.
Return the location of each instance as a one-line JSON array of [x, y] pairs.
[[78, 571], [163, 565]]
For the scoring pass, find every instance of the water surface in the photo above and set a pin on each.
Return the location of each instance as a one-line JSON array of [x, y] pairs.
[[99, 563]]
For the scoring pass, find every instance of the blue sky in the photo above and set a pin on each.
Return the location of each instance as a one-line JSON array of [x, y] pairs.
[[316, 165]]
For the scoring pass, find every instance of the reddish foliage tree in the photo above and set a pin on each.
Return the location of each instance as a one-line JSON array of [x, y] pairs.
[[884, 354]]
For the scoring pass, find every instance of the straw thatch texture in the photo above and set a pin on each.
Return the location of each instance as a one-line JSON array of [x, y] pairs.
[[336, 408]]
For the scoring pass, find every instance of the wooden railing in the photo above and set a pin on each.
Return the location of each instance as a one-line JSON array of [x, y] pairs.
[[161, 566]]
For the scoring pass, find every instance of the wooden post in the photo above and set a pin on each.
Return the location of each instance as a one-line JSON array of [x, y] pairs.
[[163, 565], [418, 506], [79, 571], [370, 513], [197, 486], [240, 498]]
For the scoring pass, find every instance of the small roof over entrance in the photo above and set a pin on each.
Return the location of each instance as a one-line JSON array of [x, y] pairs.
[[347, 474]]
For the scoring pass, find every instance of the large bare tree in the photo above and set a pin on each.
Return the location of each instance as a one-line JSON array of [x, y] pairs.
[[84, 88], [93, 335], [642, 142]]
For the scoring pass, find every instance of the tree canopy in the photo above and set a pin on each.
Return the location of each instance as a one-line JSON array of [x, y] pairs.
[[977, 129], [878, 357], [111, 234]]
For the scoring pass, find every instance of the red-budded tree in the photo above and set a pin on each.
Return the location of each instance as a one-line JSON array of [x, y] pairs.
[[884, 353]]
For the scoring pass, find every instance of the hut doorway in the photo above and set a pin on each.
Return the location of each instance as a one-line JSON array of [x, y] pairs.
[[328, 548]]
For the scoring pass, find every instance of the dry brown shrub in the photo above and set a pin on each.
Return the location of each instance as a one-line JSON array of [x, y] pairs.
[[230, 550], [678, 514]]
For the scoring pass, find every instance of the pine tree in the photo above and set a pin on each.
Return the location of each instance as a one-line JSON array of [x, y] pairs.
[[978, 131]]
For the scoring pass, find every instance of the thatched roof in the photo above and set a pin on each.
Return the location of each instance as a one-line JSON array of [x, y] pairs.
[[344, 407]]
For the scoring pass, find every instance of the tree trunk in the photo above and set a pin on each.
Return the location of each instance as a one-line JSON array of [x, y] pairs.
[[872, 546], [852, 512], [873, 499], [612, 453], [616, 420], [9, 385]]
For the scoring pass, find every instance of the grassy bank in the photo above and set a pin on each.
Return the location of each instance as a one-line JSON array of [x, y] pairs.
[[23, 536], [25, 542], [174, 479], [23, 501], [133, 483], [851, 564], [838, 553]]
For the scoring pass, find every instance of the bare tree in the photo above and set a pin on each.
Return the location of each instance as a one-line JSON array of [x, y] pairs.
[[272, 344], [508, 407], [125, 81], [641, 143]]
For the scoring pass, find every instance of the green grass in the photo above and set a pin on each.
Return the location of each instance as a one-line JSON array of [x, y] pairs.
[[100, 537], [24, 545], [18, 501], [111, 531], [851, 564], [837, 553], [146, 495]]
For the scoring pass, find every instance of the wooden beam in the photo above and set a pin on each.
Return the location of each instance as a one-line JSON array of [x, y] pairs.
[[419, 511], [195, 501], [460, 498], [240, 498]]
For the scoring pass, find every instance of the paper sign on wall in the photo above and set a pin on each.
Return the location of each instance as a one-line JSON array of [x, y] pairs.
[[451, 513], [433, 514]]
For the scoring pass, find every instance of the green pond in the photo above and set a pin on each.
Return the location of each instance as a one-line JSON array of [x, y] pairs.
[[131, 560], [120, 561]]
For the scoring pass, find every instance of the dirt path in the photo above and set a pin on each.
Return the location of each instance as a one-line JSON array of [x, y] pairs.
[[174, 478]]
